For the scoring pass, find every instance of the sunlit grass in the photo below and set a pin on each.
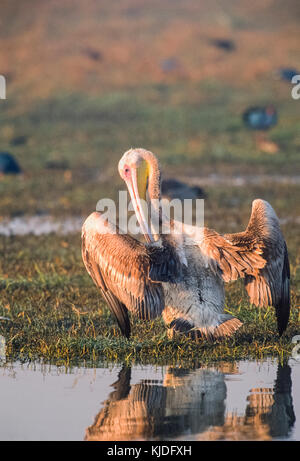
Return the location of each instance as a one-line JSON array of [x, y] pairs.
[[56, 314]]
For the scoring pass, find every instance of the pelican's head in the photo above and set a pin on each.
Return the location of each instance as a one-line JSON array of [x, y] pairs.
[[135, 167]]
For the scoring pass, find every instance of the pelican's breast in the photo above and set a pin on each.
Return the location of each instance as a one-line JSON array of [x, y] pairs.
[[198, 296]]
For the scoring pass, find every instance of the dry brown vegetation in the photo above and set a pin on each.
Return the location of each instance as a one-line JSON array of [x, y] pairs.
[[91, 46]]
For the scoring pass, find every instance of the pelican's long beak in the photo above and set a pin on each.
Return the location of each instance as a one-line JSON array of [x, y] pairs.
[[133, 189]]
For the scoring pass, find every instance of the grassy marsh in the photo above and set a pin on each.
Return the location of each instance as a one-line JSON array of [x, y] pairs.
[[56, 313], [77, 116]]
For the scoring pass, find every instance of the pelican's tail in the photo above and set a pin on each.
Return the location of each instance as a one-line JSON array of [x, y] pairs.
[[225, 328]]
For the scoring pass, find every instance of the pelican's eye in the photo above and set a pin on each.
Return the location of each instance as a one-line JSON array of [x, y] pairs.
[[126, 171]]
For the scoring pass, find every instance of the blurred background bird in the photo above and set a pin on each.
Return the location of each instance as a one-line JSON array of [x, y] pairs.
[[287, 73], [262, 119], [8, 165], [224, 44], [175, 189]]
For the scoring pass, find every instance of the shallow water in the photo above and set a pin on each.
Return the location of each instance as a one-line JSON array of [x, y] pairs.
[[45, 225], [243, 180], [233, 401], [40, 225]]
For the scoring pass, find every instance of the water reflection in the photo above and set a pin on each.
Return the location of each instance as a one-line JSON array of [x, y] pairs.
[[269, 413], [192, 404]]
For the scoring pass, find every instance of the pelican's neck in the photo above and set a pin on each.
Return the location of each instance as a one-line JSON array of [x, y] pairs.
[[154, 178]]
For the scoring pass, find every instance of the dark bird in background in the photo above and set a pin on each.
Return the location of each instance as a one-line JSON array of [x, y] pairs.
[[173, 189], [8, 165], [169, 64], [93, 54], [260, 118], [18, 141], [224, 44], [287, 73]]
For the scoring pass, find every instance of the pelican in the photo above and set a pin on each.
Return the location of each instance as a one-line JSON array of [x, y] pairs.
[[181, 275]]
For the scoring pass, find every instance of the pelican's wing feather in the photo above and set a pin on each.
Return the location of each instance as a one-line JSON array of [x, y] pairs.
[[259, 255], [121, 267]]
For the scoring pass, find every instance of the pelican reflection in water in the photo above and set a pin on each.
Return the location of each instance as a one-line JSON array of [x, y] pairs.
[[192, 403]]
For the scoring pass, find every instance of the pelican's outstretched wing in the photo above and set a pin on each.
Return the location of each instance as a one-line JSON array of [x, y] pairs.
[[126, 271], [259, 254]]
